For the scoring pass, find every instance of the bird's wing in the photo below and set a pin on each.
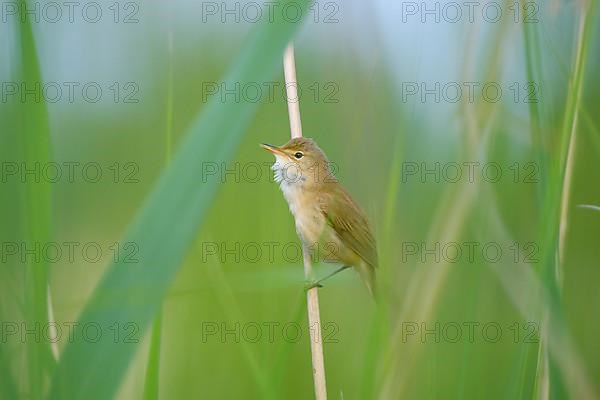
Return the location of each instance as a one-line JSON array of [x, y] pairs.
[[351, 226]]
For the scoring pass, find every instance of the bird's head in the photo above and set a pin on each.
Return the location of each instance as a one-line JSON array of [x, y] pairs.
[[300, 162]]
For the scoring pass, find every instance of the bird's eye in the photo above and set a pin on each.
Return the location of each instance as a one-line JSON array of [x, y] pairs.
[[298, 155]]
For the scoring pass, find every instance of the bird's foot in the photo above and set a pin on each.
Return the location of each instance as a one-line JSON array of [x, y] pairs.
[[310, 285]]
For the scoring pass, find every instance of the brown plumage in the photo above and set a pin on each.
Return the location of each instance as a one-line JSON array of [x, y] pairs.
[[328, 221]]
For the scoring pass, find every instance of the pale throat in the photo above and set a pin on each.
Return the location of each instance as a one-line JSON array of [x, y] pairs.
[[287, 173], [291, 180]]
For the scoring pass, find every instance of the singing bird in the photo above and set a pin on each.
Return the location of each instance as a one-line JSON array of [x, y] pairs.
[[329, 223]]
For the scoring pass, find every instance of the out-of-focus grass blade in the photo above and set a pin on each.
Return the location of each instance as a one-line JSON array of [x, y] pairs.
[[26, 120], [534, 74], [554, 191], [589, 207], [166, 226], [558, 204], [151, 389]]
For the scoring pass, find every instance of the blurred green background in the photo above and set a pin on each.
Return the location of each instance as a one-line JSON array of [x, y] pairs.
[[208, 316]]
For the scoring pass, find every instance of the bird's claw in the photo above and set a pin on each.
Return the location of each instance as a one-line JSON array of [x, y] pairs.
[[310, 285]]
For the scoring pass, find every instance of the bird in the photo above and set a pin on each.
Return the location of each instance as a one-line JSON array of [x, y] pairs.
[[328, 221]]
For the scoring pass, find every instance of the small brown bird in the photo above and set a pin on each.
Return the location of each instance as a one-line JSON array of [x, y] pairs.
[[329, 223]]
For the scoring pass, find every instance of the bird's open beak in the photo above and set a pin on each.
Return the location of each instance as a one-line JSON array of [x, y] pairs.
[[272, 149]]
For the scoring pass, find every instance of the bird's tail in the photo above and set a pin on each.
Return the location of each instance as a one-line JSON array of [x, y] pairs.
[[367, 274]]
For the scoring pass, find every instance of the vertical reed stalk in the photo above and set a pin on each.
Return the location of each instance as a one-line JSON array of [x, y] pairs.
[[312, 295]]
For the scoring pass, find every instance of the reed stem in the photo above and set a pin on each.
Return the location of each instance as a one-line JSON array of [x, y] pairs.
[[312, 295]]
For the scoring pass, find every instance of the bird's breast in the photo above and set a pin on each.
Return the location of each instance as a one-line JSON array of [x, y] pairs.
[[310, 221]]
